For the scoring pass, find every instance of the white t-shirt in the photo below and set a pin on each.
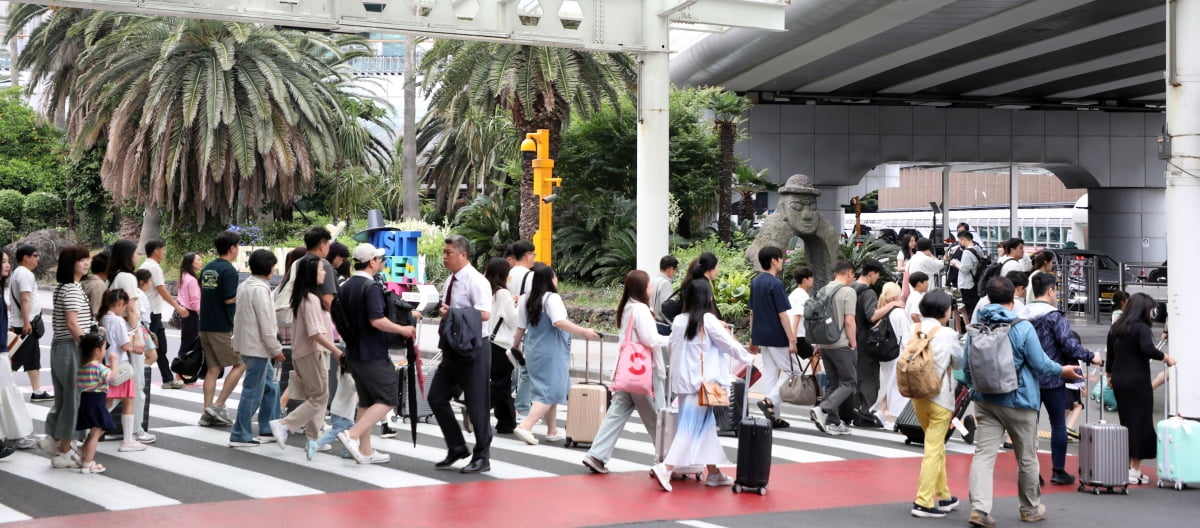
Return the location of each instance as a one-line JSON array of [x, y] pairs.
[[552, 306], [913, 305], [158, 305], [517, 274], [22, 280], [143, 302], [797, 299], [117, 334]]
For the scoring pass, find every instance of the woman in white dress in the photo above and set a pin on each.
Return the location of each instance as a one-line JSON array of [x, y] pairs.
[[701, 348], [890, 402]]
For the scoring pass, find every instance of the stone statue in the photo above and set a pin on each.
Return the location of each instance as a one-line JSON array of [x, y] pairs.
[[796, 215]]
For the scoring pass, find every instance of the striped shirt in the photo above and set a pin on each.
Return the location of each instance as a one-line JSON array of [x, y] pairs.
[[70, 298], [93, 377]]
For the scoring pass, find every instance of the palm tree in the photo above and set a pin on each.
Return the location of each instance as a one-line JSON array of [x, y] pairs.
[[470, 153], [748, 183], [540, 87], [729, 109], [205, 117]]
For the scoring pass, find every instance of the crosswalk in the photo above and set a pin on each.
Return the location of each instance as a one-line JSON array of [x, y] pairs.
[[192, 464]]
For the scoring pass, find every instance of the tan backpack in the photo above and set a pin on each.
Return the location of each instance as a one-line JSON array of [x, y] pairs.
[[916, 372]]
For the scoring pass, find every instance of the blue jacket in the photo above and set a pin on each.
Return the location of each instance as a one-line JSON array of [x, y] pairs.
[[1060, 345], [1028, 358]]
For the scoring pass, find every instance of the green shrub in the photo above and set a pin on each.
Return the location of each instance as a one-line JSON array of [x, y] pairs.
[[42, 210], [8, 232], [489, 222], [12, 205]]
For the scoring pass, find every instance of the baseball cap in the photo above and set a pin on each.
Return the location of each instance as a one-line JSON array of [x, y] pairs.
[[365, 252]]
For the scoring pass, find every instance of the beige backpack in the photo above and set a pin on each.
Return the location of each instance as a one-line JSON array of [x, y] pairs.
[[916, 372]]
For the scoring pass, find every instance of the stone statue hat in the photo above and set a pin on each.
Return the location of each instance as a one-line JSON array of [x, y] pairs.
[[799, 184], [375, 224]]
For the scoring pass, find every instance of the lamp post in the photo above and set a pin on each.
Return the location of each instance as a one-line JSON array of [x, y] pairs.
[[536, 149]]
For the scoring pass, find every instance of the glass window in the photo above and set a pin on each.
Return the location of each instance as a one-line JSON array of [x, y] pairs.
[[1027, 235], [1055, 236]]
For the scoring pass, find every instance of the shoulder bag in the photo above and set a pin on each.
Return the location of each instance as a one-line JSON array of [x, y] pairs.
[[712, 394], [634, 368], [800, 389]]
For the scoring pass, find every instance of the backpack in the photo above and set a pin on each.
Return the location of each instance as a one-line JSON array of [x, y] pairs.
[[984, 261], [881, 343], [993, 367], [283, 299], [341, 317], [398, 311], [672, 306], [916, 370], [990, 271], [821, 325]]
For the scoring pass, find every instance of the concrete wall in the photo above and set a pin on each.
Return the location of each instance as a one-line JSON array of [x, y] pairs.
[[1119, 220]]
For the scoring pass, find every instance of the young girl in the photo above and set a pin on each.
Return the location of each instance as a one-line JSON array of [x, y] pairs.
[[120, 345], [345, 402], [92, 382]]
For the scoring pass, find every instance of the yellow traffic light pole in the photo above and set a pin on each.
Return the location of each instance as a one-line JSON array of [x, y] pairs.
[[536, 149]]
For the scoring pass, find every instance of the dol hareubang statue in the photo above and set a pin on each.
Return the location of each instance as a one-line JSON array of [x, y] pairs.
[[796, 215]]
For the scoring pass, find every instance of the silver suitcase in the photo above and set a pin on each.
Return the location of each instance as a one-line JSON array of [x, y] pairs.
[[666, 423], [1103, 456]]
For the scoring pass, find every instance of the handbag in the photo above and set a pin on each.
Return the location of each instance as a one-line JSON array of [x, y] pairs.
[[711, 394], [800, 389], [634, 373], [124, 373]]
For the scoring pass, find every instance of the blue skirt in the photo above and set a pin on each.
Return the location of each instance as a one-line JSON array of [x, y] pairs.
[[93, 412]]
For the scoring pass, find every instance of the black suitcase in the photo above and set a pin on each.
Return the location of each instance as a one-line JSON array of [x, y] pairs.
[[908, 425], [753, 452], [728, 417]]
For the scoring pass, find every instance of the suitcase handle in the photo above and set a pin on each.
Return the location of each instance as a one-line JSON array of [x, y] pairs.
[[587, 356], [1167, 391]]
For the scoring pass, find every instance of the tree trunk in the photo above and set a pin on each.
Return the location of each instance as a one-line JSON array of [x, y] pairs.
[[12, 70], [131, 227], [151, 227], [746, 211], [411, 200], [726, 136]]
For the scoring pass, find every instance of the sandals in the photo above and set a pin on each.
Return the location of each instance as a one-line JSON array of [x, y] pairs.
[[92, 467], [768, 409]]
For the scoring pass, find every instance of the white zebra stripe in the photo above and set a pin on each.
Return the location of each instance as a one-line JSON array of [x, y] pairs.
[[10, 515], [101, 490]]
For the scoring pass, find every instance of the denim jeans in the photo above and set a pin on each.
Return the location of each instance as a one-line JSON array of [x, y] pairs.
[[524, 392], [260, 392], [1055, 401], [339, 424]]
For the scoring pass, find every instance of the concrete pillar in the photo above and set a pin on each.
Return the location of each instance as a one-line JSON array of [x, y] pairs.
[[1119, 219], [653, 139], [1014, 203], [945, 204], [1183, 193]]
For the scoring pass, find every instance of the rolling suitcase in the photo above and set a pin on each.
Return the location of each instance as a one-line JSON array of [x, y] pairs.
[[907, 424], [1103, 456], [587, 402], [728, 417], [666, 423], [1178, 447], [753, 453]]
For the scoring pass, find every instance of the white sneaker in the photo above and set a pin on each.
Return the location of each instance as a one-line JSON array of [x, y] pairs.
[[662, 475], [131, 446], [720, 480], [281, 433], [146, 438], [48, 445], [526, 436], [252, 443], [556, 437], [837, 430], [26, 442], [818, 418], [351, 446], [63, 460], [376, 458]]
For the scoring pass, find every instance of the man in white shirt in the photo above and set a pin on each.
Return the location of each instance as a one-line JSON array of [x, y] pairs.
[[161, 304], [918, 284], [520, 280], [660, 283], [24, 311], [803, 276], [465, 289]]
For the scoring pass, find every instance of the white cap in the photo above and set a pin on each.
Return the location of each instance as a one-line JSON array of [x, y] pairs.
[[365, 252]]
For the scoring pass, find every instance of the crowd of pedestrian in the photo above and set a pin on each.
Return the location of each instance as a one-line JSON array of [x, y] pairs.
[[505, 343]]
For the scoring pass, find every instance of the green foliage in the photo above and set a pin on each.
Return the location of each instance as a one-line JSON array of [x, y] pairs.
[[92, 204], [732, 292], [728, 258], [600, 153], [489, 222], [8, 232], [30, 151], [856, 254], [12, 205], [869, 203], [42, 210], [595, 239]]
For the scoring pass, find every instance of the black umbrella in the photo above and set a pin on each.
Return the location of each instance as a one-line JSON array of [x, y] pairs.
[[413, 366]]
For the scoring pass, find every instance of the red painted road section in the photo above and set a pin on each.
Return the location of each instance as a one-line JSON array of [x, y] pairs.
[[576, 500]]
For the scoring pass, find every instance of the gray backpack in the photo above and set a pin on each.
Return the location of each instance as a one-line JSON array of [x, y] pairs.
[[993, 369], [822, 326]]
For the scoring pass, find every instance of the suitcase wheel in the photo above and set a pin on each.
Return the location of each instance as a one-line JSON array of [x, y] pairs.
[[1096, 491], [1179, 486], [1081, 488], [762, 491], [1160, 483], [737, 488], [569, 443]]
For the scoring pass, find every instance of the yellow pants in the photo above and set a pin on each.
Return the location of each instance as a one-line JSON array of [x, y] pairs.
[[935, 420]]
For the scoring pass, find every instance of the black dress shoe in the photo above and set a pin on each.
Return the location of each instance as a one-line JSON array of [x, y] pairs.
[[452, 457], [478, 465]]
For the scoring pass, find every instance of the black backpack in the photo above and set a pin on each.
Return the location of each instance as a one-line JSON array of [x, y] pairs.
[[984, 261], [346, 328], [881, 342], [672, 306], [990, 271], [400, 312]]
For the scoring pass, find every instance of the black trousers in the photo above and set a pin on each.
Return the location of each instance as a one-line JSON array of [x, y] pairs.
[[501, 390], [164, 366], [472, 376], [867, 390], [970, 298]]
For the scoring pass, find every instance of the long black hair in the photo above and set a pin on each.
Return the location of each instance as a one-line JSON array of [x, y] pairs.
[[188, 265], [110, 298], [697, 301], [543, 282], [904, 240], [306, 280], [1139, 310], [702, 264], [4, 279], [496, 272], [121, 259]]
